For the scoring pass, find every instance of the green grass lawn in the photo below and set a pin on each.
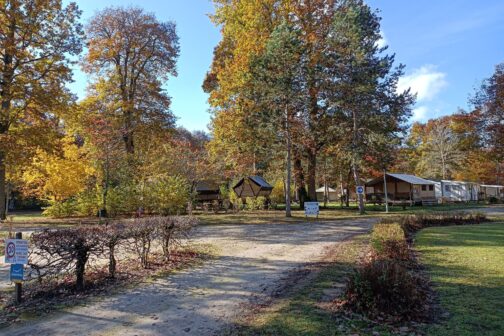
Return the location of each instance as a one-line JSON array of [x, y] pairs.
[[466, 264], [334, 211]]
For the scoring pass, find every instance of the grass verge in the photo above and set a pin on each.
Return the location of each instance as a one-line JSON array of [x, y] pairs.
[[332, 212], [466, 266], [308, 311]]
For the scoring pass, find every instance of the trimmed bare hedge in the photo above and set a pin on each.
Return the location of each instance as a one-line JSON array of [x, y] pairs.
[[57, 252], [388, 284]]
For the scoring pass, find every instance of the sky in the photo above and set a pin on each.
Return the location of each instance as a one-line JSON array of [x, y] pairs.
[[448, 48]]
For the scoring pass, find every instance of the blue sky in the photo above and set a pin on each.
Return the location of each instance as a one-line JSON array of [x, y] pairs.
[[448, 48]]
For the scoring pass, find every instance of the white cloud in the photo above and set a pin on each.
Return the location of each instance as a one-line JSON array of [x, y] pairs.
[[419, 113], [383, 41], [426, 82]]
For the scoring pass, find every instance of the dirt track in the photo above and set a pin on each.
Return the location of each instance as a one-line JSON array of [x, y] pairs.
[[253, 261]]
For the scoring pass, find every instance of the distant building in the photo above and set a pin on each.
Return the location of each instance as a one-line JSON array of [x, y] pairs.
[[401, 188], [252, 186], [332, 194], [487, 191], [207, 191], [456, 191]]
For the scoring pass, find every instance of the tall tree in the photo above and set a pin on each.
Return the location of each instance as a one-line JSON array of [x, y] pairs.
[[489, 101], [245, 27], [443, 153], [365, 94], [131, 55], [278, 89], [37, 40]]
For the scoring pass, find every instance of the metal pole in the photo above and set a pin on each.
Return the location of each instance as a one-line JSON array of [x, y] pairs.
[[19, 285], [385, 189]]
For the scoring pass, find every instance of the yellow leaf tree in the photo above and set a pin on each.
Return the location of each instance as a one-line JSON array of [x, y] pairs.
[[59, 176]]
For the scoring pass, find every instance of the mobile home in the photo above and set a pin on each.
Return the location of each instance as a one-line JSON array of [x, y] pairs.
[[456, 191], [487, 191]]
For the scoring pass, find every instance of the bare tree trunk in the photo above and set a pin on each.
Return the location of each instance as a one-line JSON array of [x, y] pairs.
[[80, 268], [347, 195], [112, 261], [342, 191], [3, 194], [128, 134], [288, 164], [9, 49], [355, 157], [299, 177], [312, 171]]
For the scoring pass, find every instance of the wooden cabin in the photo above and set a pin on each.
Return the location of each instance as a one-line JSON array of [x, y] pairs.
[[252, 186], [207, 191], [401, 188]]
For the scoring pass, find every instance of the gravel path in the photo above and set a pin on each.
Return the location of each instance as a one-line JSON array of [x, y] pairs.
[[253, 261]]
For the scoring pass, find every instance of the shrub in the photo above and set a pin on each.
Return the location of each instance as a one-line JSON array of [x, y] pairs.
[[171, 230], [88, 203], [389, 242], [142, 232], [122, 199], [236, 201], [167, 196], [61, 209], [384, 286], [417, 222], [277, 195], [255, 203], [224, 192], [56, 252], [112, 235]]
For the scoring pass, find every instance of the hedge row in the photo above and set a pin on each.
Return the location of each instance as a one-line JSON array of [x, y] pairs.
[[60, 251], [388, 284]]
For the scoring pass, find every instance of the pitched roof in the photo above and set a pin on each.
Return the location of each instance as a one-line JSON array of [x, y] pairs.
[[207, 186], [412, 179], [261, 182]]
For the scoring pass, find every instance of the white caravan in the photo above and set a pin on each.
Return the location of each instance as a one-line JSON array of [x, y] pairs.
[[456, 191]]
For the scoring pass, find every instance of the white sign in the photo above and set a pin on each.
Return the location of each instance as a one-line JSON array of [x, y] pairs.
[[16, 251], [311, 208], [360, 190]]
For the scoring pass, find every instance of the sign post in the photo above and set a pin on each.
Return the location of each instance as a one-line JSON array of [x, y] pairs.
[[360, 190], [385, 189], [311, 208], [16, 254]]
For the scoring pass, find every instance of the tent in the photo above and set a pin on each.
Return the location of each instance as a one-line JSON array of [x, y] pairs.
[[252, 186], [332, 194], [207, 191]]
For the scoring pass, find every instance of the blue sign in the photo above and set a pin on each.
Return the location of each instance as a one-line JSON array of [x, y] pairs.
[[360, 190], [16, 273]]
